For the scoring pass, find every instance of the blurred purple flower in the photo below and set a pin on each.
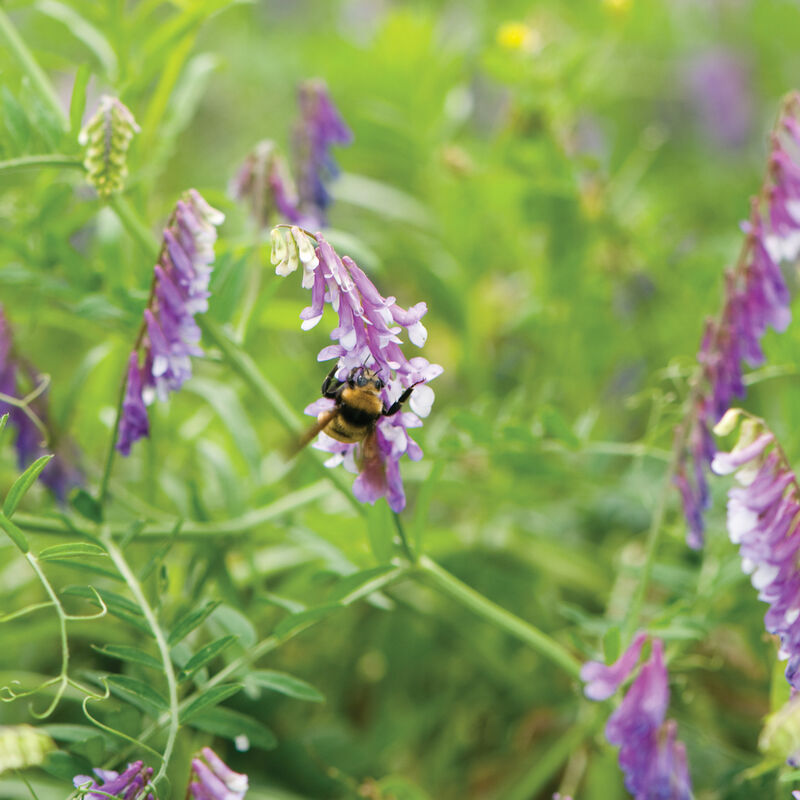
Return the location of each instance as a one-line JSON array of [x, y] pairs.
[[169, 334], [367, 335], [264, 182], [320, 126], [653, 761], [130, 784], [756, 297], [763, 520], [602, 680], [35, 440], [719, 89], [215, 780]]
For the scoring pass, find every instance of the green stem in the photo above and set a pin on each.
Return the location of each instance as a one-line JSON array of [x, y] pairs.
[[102, 493], [189, 530], [401, 532], [172, 684], [29, 64], [498, 616], [37, 162], [247, 369], [548, 763], [133, 223]]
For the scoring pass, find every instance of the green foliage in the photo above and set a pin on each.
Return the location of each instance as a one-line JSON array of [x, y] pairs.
[[553, 191]]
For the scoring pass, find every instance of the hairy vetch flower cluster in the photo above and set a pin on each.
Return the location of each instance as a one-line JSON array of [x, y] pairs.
[[169, 335], [212, 779], [265, 183], [264, 180], [129, 784], [367, 335], [650, 756], [107, 136], [756, 297], [31, 419], [320, 126], [764, 520]]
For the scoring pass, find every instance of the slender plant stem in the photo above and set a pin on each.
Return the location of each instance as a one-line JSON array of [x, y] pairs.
[[401, 532], [548, 763], [102, 494], [135, 226], [37, 76], [169, 673], [498, 616], [37, 162], [272, 643], [247, 369], [165, 529], [63, 677]]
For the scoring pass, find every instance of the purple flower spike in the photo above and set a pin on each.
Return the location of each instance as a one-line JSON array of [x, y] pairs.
[[764, 520], [265, 184], [62, 473], [756, 297], [215, 779], [368, 334], [128, 785], [653, 761], [320, 126], [601, 680], [169, 333]]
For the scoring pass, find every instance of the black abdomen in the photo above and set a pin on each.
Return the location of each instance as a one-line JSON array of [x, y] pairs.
[[357, 417]]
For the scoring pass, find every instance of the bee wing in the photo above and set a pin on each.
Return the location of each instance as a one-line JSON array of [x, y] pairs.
[[322, 420], [370, 464]]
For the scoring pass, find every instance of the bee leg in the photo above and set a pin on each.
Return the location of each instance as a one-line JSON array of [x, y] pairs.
[[330, 385], [398, 404]]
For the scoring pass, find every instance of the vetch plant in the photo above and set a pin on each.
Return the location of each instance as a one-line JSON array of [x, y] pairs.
[[763, 520], [367, 336], [107, 137], [650, 755], [756, 297], [169, 335]]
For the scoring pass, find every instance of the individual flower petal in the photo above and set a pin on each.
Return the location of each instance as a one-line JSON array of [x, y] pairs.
[[601, 680], [215, 779]]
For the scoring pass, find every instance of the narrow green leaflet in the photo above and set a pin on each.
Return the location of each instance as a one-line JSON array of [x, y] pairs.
[[232, 724], [22, 484], [351, 583], [117, 605], [304, 618], [286, 684], [77, 104], [138, 693], [14, 533], [212, 697], [134, 655], [86, 505], [206, 654], [71, 550], [226, 619], [188, 622]]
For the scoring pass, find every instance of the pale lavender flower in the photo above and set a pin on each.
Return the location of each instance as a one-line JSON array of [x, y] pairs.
[[215, 780], [265, 184], [32, 441], [367, 335], [763, 520], [170, 335], [756, 297], [131, 784], [650, 756], [320, 126], [722, 97], [602, 680]]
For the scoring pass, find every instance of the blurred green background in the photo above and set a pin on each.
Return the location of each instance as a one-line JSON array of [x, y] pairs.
[[562, 183]]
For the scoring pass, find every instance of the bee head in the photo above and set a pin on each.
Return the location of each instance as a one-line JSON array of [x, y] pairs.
[[365, 378]]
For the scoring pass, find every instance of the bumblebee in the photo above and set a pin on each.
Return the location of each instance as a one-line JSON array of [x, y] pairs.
[[358, 407]]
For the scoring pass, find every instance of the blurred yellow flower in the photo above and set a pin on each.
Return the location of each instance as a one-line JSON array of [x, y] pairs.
[[518, 36], [618, 6]]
